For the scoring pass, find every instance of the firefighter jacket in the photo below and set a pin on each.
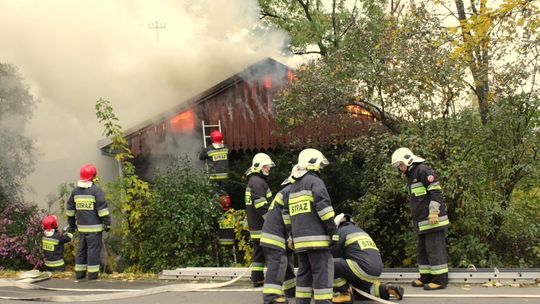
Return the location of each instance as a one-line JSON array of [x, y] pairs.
[[424, 188], [274, 234], [218, 154], [257, 196], [86, 208], [309, 213], [53, 248], [226, 229], [355, 244]]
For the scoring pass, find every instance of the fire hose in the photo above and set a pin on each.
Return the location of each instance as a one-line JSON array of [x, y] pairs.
[[26, 283]]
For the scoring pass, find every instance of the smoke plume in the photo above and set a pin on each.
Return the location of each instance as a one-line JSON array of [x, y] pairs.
[[72, 53]]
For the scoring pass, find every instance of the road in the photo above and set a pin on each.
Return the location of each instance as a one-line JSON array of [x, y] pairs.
[[241, 293]]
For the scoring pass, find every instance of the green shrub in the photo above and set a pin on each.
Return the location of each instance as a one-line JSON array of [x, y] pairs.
[[181, 229]]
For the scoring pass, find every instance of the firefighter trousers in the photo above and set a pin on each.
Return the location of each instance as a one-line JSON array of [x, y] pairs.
[[432, 258], [257, 263], [315, 276], [361, 275], [88, 256], [280, 279]]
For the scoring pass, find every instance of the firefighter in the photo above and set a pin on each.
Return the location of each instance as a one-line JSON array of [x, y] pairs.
[[309, 216], [226, 223], [257, 196], [429, 218], [357, 261], [280, 282], [53, 243], [88, 213], [218, 154]]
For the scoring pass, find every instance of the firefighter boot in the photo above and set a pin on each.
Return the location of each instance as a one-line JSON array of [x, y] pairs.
[[258, 284], [395, 290], [342, 297], [433, 286], [417, 283]]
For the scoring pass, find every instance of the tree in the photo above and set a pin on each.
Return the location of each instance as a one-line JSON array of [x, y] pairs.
[[128, 196], [416, 74], [491, 35], [16, 151]]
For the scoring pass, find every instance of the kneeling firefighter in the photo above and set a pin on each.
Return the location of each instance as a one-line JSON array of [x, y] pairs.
[[357, 261]]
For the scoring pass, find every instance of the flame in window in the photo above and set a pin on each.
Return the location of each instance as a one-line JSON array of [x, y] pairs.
[[183, 122], [357, 111]]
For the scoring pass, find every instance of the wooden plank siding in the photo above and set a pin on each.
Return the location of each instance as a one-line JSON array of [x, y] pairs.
[[244, 103]]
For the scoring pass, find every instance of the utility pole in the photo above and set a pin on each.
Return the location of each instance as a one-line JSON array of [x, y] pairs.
[[157, 26]]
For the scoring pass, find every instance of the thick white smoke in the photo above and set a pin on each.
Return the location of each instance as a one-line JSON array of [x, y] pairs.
[[72, 53]]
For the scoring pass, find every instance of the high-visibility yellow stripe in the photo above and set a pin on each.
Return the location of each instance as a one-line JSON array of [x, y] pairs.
[[323, 296], [303, 295], [311, 244], [54, 263], [328, 216], [272, 291], [265, 240], [300, 198], [439, 224], [439, 271]]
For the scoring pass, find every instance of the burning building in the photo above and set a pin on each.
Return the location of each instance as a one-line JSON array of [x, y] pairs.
[[243, 105]]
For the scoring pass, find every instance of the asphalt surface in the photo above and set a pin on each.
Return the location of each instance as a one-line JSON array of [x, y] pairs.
[[242, 293]]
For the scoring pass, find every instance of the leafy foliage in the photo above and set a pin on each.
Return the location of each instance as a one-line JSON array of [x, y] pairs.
[[128, 196], [20, 237], [414, 73], [16, 151], [181, 228]]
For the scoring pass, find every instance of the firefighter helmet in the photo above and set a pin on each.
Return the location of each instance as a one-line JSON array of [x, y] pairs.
[[312, 160], [216, 136], [49, 222], [88, 172], [405, 156], [260, 160]]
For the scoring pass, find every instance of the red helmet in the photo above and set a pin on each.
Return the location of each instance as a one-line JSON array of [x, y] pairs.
[[216, 136], [225, 201], [88, 172], [49, 222]]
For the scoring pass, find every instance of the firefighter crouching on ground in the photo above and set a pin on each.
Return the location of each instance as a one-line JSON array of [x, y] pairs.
[[429, 218], [53, 243], [357, 261], [310, 215], [257, 198], [218, 154], [88, 213], [279, 282]]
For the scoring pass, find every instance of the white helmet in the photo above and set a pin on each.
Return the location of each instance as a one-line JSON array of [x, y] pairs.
[[311, 159], [291, 179], [259, 161], [404, 155]]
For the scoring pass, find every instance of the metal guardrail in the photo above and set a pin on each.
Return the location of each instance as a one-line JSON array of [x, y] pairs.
[[400, 275]]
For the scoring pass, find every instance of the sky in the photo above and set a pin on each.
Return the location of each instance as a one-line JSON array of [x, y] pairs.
[[72, 53]]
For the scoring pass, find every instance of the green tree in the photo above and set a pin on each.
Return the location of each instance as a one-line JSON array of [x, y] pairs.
[[413, 72], [16, 151], [129, 197]]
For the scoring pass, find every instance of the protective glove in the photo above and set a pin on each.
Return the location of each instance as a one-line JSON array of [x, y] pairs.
[[290, 244], [433, 218], [334, 239]]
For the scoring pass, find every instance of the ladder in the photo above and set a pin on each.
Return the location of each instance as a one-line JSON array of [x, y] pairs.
[[205, 128]]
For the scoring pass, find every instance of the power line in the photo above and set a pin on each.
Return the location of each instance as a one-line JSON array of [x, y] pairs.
[[157, 26]]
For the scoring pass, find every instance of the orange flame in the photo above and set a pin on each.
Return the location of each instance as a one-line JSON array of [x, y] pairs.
[[267, 82], [357, 111], [183, 122]]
